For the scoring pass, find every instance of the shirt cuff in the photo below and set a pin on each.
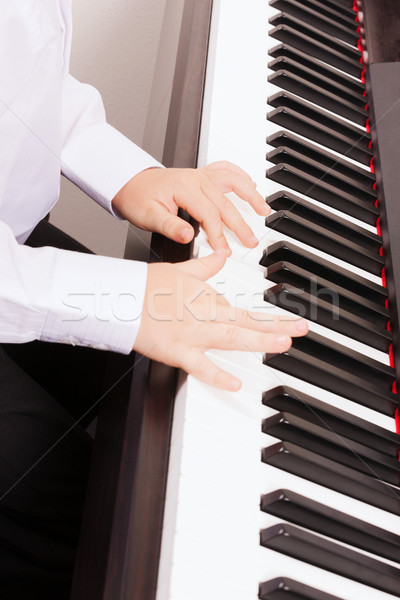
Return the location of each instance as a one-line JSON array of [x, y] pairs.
[[95, 301], [100, 161]]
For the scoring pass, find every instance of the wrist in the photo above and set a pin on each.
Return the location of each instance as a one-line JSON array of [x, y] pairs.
[[127, 192]]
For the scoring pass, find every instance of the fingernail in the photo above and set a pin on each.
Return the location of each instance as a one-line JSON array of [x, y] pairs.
[[220, 251], [284, 342], [301, 325], [186, 234], [253, 239], [235, 385]]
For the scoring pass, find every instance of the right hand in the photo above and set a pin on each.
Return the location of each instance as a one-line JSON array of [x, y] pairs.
[[183, 317]]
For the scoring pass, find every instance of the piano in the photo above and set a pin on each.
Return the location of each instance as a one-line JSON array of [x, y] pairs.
[[290, 488]]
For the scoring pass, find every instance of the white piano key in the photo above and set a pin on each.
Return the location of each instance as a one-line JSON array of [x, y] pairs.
[[234, 575], [257, 378]]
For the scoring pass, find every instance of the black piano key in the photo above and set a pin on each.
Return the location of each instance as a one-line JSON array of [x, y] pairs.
[[331, 556], [339, 181], [322, 127], [364, 178], [299, 228], [316, 88], [315, 34], [329, 137], [339, 370], [288, 252], [284, 200], [343, 8], [285, 272], [283, 588], [346, 31], [285, 399], [323, 471], [318, 67], [292, 36], [313, 187], [329, 315], [327, 521], [333, 11], [318, 132], [333, 102], [339, 91], [290, 428]]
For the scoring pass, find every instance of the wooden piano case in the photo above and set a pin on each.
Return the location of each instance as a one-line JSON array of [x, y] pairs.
[[121, 531]]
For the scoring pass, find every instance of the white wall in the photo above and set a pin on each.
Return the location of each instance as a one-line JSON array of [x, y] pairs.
[[115, 45]]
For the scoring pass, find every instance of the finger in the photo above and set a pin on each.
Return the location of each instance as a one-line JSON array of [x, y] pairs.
[[249, 194], [265, 322], [206, 267], [195, 363], [207, 215], [223, 336], [244, 187], [231, 216], [171, 226], [228, 166]]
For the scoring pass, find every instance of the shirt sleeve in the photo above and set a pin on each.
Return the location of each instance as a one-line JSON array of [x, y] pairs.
[[61, 296], [95, 156]]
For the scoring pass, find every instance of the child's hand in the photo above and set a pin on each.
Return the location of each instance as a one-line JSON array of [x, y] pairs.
[[151, 200], [183, 317]]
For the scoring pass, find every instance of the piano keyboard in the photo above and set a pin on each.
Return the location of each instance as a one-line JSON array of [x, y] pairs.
[[289, 489]]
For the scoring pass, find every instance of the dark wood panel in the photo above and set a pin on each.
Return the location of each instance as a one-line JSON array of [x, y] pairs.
[[183, 129], [121, 533], [383, 96], [382, 30]]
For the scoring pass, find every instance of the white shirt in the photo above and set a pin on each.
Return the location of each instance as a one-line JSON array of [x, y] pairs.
[[50, 123]]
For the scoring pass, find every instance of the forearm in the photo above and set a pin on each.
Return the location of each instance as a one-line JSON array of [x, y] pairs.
[[61, 296], [96, 157]]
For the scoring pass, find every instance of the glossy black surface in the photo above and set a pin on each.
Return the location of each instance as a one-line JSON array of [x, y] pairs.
[[286, 399], [342, 28], [340, 370], [318, 189], [335, 524], [332, 557], [329, 174], [286, 251], [341, 9], [314, 33], [328, 136], [318, 90], [284, 588], [291, 35], [284, 200], [328, 314], [294, 429], [317, 66], [285, 272], [328, 473], [331, 162], [303, 229], [307, 120]]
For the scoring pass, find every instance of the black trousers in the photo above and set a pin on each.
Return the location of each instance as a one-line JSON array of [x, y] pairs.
[[46, 393]]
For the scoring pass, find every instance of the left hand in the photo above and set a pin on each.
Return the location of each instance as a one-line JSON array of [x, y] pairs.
[[151, 200]]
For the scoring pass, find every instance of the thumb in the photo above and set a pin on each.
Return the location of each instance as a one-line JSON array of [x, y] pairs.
[[206, 267], [172, 226]]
